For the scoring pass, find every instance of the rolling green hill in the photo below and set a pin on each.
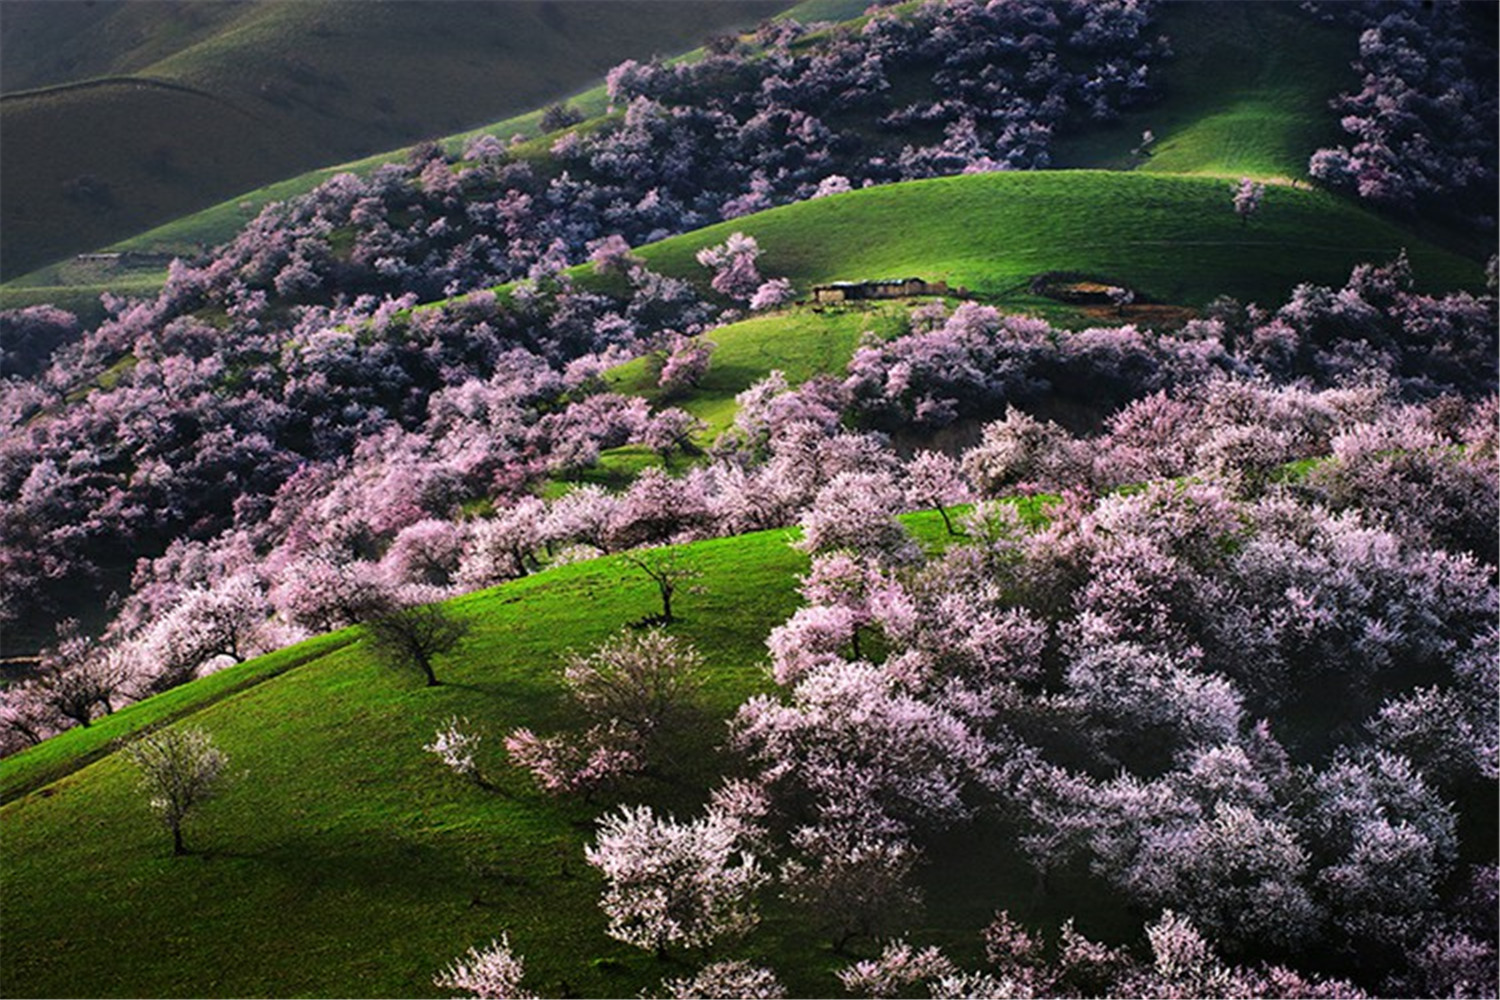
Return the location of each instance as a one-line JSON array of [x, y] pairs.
[[238, 97], [345, 861], [1173, 238]]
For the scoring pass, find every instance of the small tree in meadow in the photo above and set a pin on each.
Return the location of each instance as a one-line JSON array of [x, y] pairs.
[[645, 680], [411, 637], [560, 116], [454, 745], [1247, 198], [669, 569], [180, 770]]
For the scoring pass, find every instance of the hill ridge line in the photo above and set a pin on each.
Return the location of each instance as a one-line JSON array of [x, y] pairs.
[[122, 81], [73, 765]]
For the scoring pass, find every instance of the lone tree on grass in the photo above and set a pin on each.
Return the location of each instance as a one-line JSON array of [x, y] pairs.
[[411, 637], [1247, 198], [180, 770], [646, 680], [669, 569]]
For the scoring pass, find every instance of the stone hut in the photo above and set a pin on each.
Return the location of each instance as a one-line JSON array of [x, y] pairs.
[[885, 288]]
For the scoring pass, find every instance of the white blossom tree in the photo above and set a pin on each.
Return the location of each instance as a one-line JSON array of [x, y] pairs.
[[454, 745], [675, 883], [180, 770], [736, 980], [493, 973]]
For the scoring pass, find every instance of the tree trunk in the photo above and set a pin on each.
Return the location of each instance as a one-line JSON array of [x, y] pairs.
[[943, 513], [178, 847], [666, 603], [432, 680]]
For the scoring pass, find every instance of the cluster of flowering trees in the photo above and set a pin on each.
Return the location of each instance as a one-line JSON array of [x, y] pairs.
[[1251, 696], [1423, 123], [1232, 705], [290, 349], [1254, 709], [343, 538], [976, 361], [799, 118], [342, 438]]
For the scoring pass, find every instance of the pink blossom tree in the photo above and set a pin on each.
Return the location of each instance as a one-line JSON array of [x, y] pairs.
[[852, 884], [772, 294], [725, 980], [856, 512], [577, 764], [935, 480], [1247, 198], [685, 365], [899, 968], [644, 680], [733, 264]]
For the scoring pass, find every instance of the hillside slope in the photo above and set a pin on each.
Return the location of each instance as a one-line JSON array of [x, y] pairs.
[[1172, 238], [345, 861], [45, 43], [1246, 93], [287, 86]]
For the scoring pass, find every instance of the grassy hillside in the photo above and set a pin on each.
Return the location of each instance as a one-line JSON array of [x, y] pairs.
[[283, 86], [345, 861], [45, 43], [1173, 238], [798, 342], [1246, 93]]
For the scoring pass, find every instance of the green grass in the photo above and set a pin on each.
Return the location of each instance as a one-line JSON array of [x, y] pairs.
[[1246, 93], [63, 754], [798, 341], [1174, 238], [345, 861]]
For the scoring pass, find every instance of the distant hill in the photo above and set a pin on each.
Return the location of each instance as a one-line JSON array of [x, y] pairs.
[[45, 43], [170, 108]]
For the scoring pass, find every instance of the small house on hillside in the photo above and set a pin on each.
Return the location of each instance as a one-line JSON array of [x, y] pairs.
[[885, 288]]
